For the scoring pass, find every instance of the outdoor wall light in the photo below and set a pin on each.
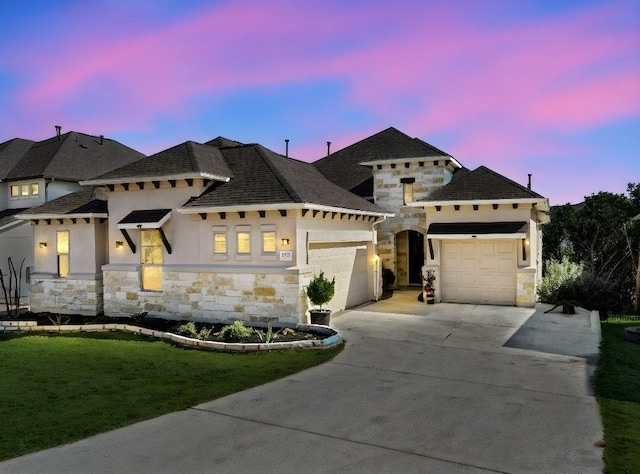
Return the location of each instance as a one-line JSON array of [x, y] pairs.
[[285, 242], [43, 245], [119, 244]]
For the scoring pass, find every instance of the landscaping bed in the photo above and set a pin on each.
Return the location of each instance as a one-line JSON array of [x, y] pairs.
[[207, 335]]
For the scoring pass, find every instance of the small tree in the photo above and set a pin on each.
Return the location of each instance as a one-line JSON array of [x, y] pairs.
[[320, 290], [12, 292]]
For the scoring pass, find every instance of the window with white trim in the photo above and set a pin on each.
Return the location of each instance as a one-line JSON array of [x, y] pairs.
[[15, 191], [62, 250], [152, 259], [268, 242], [243, 240], [220, 240], [268, 237]]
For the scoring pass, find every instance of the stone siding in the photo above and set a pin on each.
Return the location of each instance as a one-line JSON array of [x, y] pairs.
[[526, 287], [208, 296], [78, 295], [389, 194]]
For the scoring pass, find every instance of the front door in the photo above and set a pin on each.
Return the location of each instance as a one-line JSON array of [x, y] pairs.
[[416, 257]]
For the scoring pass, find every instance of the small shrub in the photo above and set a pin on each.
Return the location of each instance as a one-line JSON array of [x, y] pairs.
[[559, 281], [320, 290], [188, 329], [235, 332], [595, 293], [269, 336]]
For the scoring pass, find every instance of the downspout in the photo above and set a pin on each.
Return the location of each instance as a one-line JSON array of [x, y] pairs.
[[376, 275]]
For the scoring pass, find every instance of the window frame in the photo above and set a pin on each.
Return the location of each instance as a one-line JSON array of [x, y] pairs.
[[220, 231], [151, 267], [63, 257]]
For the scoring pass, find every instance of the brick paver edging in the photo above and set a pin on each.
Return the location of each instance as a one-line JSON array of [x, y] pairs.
[[333, 337]]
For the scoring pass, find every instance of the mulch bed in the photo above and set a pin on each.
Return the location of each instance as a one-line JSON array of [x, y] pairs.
[[165, 325]]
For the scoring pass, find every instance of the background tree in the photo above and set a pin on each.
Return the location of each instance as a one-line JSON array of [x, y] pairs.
[[600, 235]]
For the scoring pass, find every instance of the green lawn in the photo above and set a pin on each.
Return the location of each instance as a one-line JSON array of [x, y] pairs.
[[617, 387], [58, 389]]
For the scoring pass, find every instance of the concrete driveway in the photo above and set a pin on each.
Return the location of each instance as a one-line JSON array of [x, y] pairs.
[[439, 388]]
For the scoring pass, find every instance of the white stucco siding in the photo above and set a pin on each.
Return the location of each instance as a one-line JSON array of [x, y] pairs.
[[479, 271], [17, 243], [352, 266], [86, 248]]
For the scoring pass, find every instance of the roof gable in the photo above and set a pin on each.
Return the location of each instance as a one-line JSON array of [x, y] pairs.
[[481, 184], [343, 167]]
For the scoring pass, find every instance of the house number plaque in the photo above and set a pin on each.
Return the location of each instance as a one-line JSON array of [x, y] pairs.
[[286, 255]]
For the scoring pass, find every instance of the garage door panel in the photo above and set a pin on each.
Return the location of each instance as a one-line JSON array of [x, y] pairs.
[[485, 274], [486, 263]]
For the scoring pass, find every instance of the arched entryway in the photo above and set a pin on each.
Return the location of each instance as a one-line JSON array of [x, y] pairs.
[[409, 257]]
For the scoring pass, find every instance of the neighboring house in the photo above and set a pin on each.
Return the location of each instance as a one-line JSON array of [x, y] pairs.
[[32, 173], [220, 230], [479, 231]]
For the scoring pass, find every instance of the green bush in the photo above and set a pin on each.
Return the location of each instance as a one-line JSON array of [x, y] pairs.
[[235, 332], [190, 330], [320, 290], [559, 281]]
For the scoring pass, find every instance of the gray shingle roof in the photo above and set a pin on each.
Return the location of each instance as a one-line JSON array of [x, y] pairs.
[[71, 157], [188, 158], [222, 142], [262, 176], [343, 168], [481, 184], [11, 152], [88, 200], [7, 218]]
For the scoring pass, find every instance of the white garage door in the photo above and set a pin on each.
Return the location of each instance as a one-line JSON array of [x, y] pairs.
[[350, 265], [479, 271]]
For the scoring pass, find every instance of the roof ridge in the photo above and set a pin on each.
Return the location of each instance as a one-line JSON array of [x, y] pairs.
[[191, 154], [276, 172]]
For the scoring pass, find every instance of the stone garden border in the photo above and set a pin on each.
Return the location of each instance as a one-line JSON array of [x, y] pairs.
[[333, 337]]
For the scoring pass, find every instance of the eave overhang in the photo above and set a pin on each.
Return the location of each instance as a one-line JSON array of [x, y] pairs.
[[277, 207], [413, 159], [87, 215], [541, 204], [133, 179]]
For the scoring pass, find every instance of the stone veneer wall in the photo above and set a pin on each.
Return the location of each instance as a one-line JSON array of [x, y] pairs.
[[526, 287], [77, 294], [388, 194], [196, 293]]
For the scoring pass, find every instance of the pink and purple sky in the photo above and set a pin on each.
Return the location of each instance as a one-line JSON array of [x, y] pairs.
[[546, 87]]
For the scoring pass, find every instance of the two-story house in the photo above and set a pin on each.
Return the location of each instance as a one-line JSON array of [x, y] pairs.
[[35, 172]]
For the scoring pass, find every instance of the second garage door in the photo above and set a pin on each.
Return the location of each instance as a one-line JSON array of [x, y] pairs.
[[348, 262], [479, 271]]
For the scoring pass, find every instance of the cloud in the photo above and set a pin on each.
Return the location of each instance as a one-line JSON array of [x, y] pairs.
[[482, 89]]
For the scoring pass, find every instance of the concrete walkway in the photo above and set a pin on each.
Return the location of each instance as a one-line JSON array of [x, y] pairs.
[[443, 389]]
